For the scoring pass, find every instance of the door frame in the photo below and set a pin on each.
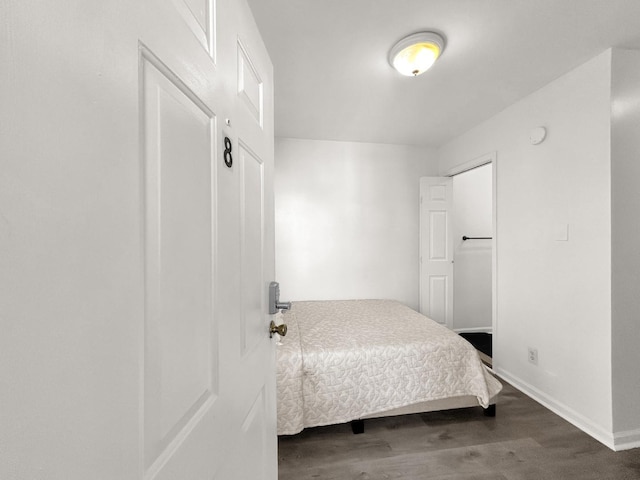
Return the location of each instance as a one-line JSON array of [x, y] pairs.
[[485, 159]]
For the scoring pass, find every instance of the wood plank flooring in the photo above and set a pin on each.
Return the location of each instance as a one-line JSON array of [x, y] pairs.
[[525, 441]]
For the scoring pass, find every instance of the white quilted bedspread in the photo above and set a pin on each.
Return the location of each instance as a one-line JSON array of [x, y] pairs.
[[343, 360]]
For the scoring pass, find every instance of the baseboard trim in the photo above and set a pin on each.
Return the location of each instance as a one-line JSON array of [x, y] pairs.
[[473, 330], [562, 410], [626, 440]]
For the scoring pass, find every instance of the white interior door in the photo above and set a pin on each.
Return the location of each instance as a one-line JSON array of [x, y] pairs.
[[133, 260], [251, 375], [436, 249]]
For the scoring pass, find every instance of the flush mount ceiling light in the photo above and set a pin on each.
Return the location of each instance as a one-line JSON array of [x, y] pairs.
[[415, 54]]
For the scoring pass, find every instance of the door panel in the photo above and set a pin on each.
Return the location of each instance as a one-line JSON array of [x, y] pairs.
[[251, 213], [200, 16], [438, 293], [438, 220], [199, 10], [180, 347], [249, 84], [253, 438]]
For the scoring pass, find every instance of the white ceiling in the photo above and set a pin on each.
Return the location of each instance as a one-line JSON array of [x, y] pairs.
[[333, 82]]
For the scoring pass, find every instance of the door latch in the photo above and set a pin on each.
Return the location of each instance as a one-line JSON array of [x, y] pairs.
[[274, 299]]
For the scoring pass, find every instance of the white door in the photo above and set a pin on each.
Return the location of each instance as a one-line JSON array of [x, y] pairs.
[[250, 374], [436, 249], [133, 260]]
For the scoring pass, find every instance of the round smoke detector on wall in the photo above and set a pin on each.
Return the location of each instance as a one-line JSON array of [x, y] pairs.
[[537, 135]]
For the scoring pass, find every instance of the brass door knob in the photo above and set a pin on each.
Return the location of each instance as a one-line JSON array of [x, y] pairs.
[[279, 329]]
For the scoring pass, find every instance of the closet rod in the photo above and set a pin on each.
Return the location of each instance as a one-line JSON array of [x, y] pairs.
[[464, 237]]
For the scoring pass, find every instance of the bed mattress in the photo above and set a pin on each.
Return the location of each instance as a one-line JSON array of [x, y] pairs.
[[344, 360]]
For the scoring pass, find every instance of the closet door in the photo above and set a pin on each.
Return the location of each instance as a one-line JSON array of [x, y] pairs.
[[436, 249]]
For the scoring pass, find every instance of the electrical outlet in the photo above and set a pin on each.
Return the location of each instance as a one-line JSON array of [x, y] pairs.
[[533, 355]]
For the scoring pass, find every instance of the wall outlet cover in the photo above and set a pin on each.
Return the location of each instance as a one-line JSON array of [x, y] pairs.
[[561, 232]]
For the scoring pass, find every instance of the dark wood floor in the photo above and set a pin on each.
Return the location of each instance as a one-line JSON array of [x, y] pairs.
[[524, 441]]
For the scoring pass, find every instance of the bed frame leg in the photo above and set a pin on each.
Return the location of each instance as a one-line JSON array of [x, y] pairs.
[[357, 426], [490, 411]]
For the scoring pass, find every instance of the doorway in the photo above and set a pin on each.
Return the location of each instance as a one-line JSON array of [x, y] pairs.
[[473, 254], [458, 248], [473, 240]]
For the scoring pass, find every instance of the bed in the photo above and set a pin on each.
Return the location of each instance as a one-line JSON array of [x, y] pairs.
[[354, 359]]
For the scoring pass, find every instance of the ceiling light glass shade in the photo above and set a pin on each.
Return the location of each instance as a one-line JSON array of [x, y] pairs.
[[416, 53]]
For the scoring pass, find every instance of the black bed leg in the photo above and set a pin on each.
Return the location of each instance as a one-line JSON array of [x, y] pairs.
[[357, 426], [490, 411]]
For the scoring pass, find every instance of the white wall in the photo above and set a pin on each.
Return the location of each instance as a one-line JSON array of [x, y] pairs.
[[554, 295], [625, 154], [347, 219], [472, 216]]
